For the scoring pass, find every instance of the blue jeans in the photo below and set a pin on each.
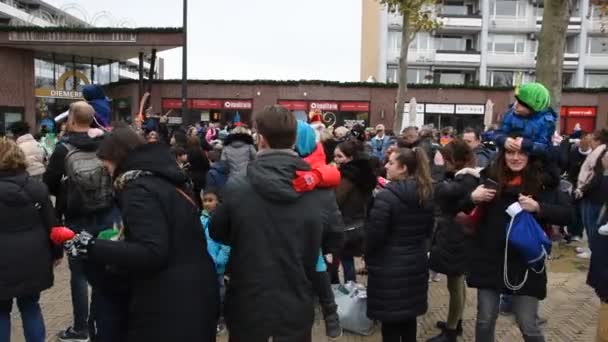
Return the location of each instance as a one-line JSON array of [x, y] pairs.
[[525, 309], [80, 294], [590, 213], [348, 265], [78, 280], [33, 323]]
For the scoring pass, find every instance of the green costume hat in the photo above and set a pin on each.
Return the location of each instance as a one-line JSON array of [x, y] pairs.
[[534, 96]]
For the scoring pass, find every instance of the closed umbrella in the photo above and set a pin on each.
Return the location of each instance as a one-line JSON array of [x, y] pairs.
[[488, 116]]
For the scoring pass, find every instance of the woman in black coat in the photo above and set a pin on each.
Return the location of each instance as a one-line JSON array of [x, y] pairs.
[[398, 226], [517, 178], [353, 195], [172, 280], [448, 252], [26, 252]]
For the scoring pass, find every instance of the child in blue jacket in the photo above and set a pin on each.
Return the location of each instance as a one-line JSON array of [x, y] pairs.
[[531, 117], [218, 252]]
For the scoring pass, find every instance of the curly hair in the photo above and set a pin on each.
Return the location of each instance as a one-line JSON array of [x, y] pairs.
[[12, 157]]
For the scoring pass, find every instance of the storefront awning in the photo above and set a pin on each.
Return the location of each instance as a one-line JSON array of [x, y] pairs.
[[107, 43]]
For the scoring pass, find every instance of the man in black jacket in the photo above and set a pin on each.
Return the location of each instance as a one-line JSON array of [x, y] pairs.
[[275, 234], [483, 155], [79, 137]]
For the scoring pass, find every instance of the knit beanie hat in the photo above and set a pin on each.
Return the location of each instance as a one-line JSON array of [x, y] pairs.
[[306, 141], [534, 96]]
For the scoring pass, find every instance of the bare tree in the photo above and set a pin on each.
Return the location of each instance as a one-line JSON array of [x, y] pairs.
[[551, 48], [417, 16]]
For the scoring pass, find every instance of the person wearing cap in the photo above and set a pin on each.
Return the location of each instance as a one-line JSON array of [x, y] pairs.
[[532, 118], [380, 143]]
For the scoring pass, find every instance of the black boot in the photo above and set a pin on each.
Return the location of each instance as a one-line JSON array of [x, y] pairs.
[[333, 329], [444, 326], [446, 336]]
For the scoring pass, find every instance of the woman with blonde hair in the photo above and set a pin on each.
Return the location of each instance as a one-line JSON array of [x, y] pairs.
[[26, 252]]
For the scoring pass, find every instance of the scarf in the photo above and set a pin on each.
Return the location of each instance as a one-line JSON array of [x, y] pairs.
[[121, 181]]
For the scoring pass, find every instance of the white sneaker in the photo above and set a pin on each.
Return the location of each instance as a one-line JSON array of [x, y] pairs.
[[580, 250], [584, 255], [603, 230], [435, 277]]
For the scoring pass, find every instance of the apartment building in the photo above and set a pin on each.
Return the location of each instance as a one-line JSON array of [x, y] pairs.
[[484, 42]]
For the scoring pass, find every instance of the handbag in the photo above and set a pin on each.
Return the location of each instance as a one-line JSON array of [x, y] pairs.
[[525, 235], [352, 308], [470, 221]]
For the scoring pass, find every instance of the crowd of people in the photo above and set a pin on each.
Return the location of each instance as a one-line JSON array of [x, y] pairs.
[[185, 233]]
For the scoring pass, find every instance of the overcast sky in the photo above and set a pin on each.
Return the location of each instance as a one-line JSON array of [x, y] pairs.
[[251, 39]]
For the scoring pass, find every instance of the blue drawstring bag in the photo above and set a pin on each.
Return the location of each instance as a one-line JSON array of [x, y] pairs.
[[526, 236]]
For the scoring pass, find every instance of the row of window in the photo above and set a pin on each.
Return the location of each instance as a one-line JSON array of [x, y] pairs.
[[496, 78], [497, 43]]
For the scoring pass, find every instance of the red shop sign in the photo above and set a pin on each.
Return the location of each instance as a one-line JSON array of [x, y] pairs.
[[238, 104], [324, 106], [579, 111], [294, 105], [206, 104], [354, 106], [172, 103]]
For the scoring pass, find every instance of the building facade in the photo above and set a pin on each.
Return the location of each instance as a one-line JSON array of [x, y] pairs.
[[484, 42], [42, 14], [47, 56], [366, 103]]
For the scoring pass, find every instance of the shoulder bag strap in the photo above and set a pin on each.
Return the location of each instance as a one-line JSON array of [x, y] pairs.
[[187, 197]]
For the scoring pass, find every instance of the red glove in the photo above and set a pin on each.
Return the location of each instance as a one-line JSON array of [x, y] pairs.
[[59, 235], [306, 181]]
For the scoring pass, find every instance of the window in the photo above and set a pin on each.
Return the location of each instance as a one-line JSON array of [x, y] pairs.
[[501, 78], [506, 44], [412, 76], [394, 40], [454, 8], [567, 79], [391, 74], [508, 8], [598, 46], [451, 77], [453, 43], [596, 80]]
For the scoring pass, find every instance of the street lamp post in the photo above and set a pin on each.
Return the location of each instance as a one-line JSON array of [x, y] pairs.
[[185, 62]]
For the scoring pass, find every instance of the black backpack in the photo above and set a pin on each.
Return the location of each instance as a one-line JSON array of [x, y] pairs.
[[89, 186]]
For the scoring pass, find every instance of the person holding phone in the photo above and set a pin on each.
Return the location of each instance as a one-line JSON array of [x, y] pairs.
[[519, 177], [448, 249]]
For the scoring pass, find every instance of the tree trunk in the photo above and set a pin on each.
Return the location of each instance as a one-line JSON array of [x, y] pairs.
[[551, 48], [402, 91]]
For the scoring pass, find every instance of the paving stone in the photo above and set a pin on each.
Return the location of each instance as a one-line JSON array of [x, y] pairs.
[[571, 310]]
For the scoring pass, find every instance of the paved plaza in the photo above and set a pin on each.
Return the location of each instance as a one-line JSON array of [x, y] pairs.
[[571, 308]]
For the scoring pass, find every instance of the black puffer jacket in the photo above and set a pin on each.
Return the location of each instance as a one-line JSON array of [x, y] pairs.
[[487, 247], [448, 251], [397, 230], [172, 283], [275, 236], [353, 195], [27, 215]]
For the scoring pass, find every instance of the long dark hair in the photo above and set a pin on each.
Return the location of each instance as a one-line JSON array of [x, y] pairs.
[[459, 154], [532, 176], [417, 167], [117, 146], [351, 148]]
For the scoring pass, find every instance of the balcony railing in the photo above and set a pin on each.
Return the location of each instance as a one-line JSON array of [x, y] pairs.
[[445, 57], [457, 57], [574, 25], [467, 23]]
